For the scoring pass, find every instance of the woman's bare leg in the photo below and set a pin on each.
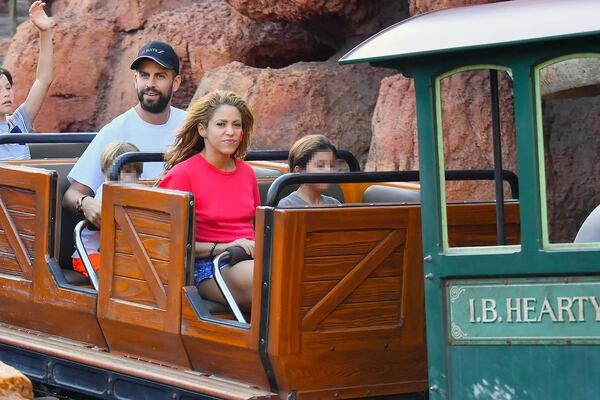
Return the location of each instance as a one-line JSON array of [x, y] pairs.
[[238, 279]]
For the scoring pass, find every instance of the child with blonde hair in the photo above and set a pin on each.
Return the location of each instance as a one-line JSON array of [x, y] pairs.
[[129, 173]]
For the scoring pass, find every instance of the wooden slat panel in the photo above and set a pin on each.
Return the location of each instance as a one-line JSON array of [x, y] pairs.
[[18, 199], [335, 267], [150, 222], [141, 254], [133, 290], [350, 282], [352, 242], [125, 266], [156, 247], [24, 222], [381, 218], [9, 264], [12, 235], [361, 315], [372, 290], [28, 241]]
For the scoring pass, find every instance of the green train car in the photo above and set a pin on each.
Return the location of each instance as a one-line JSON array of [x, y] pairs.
[[517, 320], [457, 281]]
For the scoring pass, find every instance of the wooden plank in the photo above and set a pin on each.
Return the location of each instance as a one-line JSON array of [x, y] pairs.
[[150, 222], [156, 247], [371, 290], [14, 240], [133, 290], [380, 218], [351, 281], [28, 240], [125, 265], [347, 242], [24, 222], [152, 278], [361, 315], [336, 267], [9, 264], [18, 199]]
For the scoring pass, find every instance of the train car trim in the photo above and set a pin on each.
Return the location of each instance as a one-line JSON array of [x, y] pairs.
[[529, 21]]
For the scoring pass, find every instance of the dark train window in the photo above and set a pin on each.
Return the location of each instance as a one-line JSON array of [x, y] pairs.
[[475, 106], [568, 104]]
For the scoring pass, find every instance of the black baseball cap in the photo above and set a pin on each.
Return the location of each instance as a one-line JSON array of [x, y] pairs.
[[159, 52]]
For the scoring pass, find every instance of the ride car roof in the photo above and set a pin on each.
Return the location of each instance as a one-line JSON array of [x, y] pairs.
[[484, 25]]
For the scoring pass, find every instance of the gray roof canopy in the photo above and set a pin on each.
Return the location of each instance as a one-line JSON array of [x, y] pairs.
[[478, 26]]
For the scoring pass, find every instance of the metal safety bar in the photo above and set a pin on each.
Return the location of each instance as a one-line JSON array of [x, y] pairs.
[[278, 155], [252, 155], [26, 138], [222, 285], [132, 157], [80, 247], [283, 181]]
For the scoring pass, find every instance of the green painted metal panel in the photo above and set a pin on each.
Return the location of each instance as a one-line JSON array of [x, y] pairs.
[[522, 373], [557, 310]]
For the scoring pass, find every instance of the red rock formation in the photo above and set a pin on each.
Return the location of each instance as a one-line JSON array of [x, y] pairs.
[[94, 46], [302, 10], [304, 98], [394, 122], [394, 125], [4, 44], [80, 63], [422, 6], [466, 121]]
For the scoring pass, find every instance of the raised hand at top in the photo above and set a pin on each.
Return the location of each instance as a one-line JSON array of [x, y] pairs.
[[39, 17]]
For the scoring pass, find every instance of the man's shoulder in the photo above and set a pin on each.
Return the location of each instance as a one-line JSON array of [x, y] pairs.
[[177, 115], [178, 111], [120, 120]]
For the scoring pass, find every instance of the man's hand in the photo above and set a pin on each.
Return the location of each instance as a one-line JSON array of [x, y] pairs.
[[38, 16], [92, 210], [89, 206]]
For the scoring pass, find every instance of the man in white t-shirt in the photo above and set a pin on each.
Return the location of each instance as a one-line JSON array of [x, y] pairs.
[[150, 125]]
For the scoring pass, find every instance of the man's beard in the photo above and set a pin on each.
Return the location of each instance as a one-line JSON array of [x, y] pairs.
[[157, 106]]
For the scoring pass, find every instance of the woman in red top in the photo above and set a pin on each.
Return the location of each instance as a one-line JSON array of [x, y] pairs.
[[206, 160]]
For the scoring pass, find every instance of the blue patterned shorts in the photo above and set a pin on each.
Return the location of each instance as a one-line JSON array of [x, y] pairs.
[[203, 269]]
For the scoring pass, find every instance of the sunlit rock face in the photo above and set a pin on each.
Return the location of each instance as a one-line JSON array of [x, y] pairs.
[[304, 98], [303, 10], [422, 6], [95, 42]]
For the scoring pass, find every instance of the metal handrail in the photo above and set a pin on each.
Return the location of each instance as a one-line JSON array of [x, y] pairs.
[[27, 138], [278, 155], [283, 181], [223, 288], [132, 157], [251, 155], [80, 247]]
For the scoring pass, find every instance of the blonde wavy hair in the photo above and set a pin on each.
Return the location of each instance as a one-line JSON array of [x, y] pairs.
[[188, 141]]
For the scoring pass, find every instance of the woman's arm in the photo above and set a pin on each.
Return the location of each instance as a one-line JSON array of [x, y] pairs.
[[202, 249], [45, 66]]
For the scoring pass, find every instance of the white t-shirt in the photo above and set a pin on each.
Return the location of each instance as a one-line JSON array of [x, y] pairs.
[[18, 122], [127, 127]]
